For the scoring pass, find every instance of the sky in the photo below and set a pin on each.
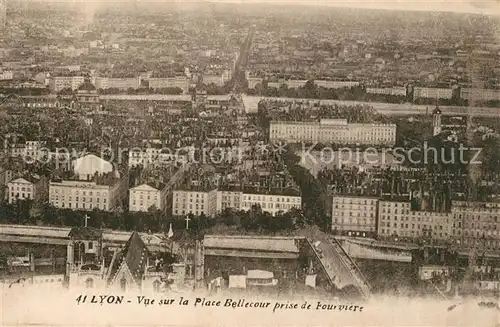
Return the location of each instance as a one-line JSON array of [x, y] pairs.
[[489, 7], [464, 6]]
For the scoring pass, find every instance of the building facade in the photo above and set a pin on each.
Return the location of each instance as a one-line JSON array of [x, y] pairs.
[[84, 195], [290, 83], [57, 83], [196, 202], [271, 203], [476, 224], [154, 157], [432, 93], [29, 188], [479, 94], [133, 267], [219, 79], [229, 200], [254, 81], [146, 196], [170, 82], [32, 149], [354, 215], [6, 74], [336, 131], [396, 219], [395, 91], [117, 83], [335, 84]]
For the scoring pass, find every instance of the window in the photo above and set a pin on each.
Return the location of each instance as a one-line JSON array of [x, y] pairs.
[[123, 284]]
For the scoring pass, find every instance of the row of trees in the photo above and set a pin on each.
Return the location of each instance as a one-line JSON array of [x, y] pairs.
[[143, 90], [356, 93], [314, 193], [312, 91], [130, 90], [25, 91], [29, 212]]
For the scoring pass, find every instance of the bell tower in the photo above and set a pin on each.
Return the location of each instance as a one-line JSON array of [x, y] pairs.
[[84, 256], [436, 121]]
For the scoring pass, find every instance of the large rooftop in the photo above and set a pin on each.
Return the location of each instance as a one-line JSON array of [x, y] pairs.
[[251, 246]]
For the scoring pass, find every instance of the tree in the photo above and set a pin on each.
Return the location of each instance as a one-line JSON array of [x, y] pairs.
[[491, 157], [66, 91]]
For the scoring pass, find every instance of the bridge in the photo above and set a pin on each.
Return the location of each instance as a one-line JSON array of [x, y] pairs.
[[375, 250], [335, 262]]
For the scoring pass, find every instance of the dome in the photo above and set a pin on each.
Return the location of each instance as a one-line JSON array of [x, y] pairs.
[[87, 86]]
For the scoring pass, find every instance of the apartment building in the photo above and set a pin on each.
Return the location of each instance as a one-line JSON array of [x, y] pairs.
[[169, 82], [27, 188], [395, 91], [432, 93], [354, 215], [213, 79], [88, 195], [57, 83], [148, 195], [17, 150], [219, 79], [6, 175], [275, 85], [94, 185], [397, 219], [197, 201], [117, 83], [479, 94], [6, 75], [290, 83], [295, 83], [40, 102], [229, 199], [32, 149], [476, 224], [60, 158], [335, 84], [333, 131], [155, 157], [271, 203]]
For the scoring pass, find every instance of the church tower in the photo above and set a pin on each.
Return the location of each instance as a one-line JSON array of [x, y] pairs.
[[85, 260], [436, 121]]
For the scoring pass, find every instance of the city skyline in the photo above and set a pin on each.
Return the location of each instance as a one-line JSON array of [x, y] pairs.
[[486, 7], [490, 7]]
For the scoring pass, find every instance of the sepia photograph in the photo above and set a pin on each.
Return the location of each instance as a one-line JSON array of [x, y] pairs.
[[250, 163]]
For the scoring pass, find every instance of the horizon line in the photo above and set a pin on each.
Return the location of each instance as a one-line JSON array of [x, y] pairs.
[[474, 7]]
